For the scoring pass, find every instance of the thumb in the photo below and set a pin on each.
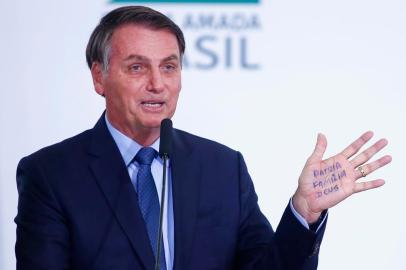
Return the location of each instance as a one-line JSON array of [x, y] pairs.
[[319, 149]]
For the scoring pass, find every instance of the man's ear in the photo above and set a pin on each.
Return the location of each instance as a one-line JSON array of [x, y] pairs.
[[98, 79]]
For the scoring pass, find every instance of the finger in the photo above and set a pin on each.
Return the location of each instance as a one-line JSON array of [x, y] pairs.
[[319, 149], [363, 186], [357, 144], [373, 166], [368, 153]]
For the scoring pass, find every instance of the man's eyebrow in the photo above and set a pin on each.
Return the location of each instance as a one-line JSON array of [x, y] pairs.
[[146, 59], [136, 57], [171, 57]]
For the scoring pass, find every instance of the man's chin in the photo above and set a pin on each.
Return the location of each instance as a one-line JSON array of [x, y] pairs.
[[153, 123]]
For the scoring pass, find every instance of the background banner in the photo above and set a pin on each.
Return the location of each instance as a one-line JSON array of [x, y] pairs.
[[263, 77]]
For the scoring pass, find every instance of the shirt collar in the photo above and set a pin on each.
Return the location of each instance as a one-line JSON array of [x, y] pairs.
[[127, 146]]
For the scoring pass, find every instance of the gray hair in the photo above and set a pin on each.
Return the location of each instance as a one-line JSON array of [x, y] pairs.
[[98, 47]]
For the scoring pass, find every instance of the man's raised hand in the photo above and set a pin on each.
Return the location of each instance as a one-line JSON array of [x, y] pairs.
[[325, 183]]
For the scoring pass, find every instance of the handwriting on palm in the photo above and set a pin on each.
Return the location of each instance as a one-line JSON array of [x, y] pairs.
[[324, 183]]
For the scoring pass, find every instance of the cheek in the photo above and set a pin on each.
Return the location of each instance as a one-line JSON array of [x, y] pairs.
[[176, 86], [174, 97], [126, 88], [120, 96]]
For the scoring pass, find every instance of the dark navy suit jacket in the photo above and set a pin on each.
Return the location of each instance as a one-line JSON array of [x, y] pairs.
[[77, 209]]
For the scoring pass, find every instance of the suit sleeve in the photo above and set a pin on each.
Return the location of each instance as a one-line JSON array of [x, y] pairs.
[[42, 232], [291, 247]]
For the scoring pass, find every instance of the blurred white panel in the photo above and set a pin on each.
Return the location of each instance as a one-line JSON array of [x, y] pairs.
[[336, 67]]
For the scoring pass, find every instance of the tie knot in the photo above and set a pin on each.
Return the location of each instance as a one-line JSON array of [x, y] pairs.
[[145, 155]]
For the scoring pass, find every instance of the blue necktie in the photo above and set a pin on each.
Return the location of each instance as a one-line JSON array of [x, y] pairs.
[[148, 198]]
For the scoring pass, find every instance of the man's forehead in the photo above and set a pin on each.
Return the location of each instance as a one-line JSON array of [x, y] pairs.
[[130, 38], [132, 31]]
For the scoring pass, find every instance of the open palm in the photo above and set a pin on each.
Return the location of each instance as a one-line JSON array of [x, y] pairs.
[[325, 183]]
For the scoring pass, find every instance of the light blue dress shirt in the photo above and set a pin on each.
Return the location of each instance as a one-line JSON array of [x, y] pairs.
[[128, 149]]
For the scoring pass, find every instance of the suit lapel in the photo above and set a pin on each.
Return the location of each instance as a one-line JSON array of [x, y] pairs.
[[112, 177], [185, 180]]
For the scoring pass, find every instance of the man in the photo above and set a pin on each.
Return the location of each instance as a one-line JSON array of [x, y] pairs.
[[92, 201]]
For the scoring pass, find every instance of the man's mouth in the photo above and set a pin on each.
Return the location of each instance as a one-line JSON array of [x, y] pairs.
[[152, 104]]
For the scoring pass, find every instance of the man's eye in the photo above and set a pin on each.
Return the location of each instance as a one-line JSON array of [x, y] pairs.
[[169, 67], [136, 67]]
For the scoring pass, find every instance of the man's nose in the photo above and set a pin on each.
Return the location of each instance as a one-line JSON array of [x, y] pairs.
[[156, 83]]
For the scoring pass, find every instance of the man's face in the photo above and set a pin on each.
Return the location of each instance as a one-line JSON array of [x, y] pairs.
[[143, 80]]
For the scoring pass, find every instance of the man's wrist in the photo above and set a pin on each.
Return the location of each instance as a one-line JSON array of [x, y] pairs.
[[301, 206]]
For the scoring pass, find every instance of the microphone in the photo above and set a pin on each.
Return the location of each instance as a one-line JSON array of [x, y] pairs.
[[165, 144], [165, 150]]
